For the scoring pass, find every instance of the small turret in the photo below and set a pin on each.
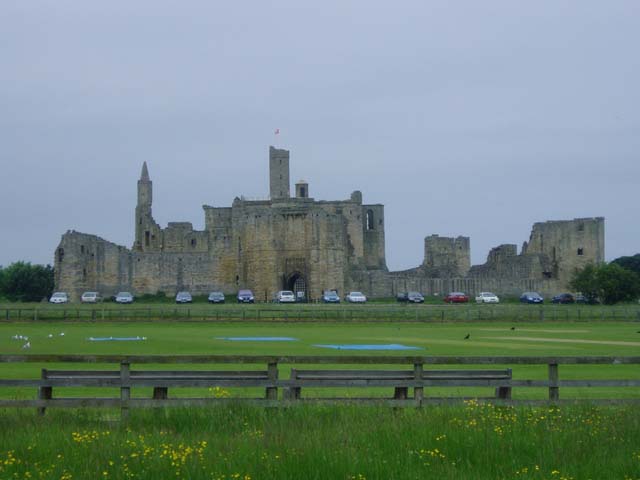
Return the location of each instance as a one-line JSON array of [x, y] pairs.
[[145, 225], [302, 189], [145, 187]]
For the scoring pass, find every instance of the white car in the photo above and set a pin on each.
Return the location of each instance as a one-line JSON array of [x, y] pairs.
[[355, 297], [285, 296], [487, 297], [90, 297], [59, 297]]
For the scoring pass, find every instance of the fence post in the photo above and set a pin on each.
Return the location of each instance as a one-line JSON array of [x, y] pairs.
[[44, 392], [554, 389], [125, 390], [418, 392], [35, 314], [272, 371]]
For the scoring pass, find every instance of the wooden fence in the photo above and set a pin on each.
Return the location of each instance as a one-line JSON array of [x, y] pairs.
[[323, 313], [348, 374]]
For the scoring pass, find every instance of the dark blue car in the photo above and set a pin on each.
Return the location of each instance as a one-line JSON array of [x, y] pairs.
[[531, 297]]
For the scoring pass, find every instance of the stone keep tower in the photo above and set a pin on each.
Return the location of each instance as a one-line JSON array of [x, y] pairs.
[[446, 256], [278, 173]]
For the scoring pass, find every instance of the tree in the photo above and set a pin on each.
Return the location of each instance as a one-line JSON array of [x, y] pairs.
[[610, 283], [23, 282], [630, 263]]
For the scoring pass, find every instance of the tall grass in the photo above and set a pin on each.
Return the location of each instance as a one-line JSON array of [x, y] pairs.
[[325, 442]]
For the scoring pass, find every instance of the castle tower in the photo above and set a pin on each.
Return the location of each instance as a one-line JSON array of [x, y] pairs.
[[447, 256], [278, 173], [144, 220]]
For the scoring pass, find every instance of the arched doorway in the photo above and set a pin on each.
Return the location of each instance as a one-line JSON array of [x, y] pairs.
[[298, 285]]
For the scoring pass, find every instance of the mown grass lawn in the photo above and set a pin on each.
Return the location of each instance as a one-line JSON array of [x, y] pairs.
[[485, 338]]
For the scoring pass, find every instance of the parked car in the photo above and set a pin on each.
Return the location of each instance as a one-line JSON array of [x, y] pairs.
[[124, 297], [330, 296], [285, 296], [355, 297], [415, 297], [587, 300], [487, 297], [402, 297], [59, 297], [90, 297], [245, 296], [216, 297], [456, 297], [563, 298], [531, 297], [183, 297]]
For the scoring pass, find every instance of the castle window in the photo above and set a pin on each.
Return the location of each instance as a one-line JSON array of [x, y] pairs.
[[303, 192], [81, 248], [193, 242], [146, 238], [581, 227], [581, 251], [84, 274], [60, 254], [140, 221], [370, 224]]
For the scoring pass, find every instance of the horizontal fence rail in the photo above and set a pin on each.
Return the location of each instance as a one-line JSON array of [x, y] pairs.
[[343, 374], [313, 313]]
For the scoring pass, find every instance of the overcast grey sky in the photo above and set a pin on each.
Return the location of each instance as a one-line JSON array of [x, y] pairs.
[[473, 118]]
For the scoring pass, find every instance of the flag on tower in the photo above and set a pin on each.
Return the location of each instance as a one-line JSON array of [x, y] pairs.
[[277, 132]]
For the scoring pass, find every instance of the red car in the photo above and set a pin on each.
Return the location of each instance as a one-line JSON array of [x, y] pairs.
[[456, 297]]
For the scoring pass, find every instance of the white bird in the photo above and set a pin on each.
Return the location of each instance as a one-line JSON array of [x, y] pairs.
[[51, 335], [62, 334], [27, 345]]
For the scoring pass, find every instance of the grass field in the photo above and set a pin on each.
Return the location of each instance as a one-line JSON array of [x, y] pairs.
[[485, 338], [325, 442]]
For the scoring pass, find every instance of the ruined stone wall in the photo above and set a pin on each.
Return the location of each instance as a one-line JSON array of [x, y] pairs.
[[373, 234], [89, 263], [568, 244]]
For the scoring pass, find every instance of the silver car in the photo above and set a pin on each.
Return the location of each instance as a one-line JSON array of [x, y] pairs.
[[90, 297], [285, 296], [356, 297], [124, 297], [59, 297], [183, 297]]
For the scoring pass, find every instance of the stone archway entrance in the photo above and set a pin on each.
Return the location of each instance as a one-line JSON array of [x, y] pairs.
[[298, 285]]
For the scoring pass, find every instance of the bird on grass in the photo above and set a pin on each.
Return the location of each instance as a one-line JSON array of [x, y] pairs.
[[513, 328], [466, 337], [27, 345]]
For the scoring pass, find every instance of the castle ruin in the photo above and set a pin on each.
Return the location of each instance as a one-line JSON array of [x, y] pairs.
[[308, 246]]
